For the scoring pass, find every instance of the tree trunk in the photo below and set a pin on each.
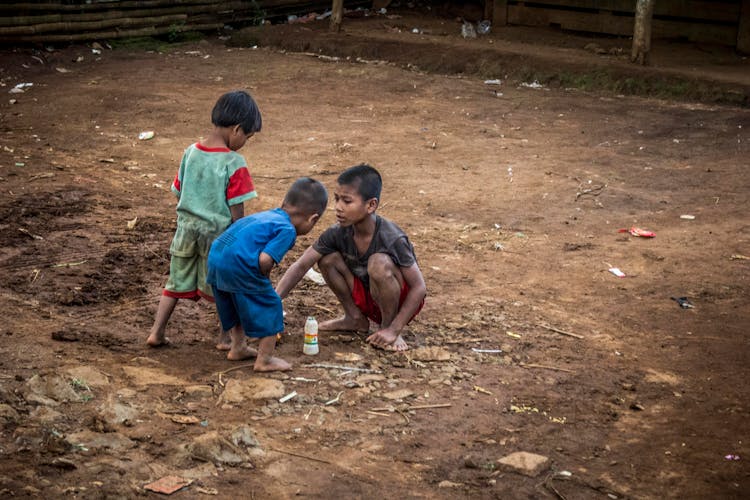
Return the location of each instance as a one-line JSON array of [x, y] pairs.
[[644, 11], [337, 13]]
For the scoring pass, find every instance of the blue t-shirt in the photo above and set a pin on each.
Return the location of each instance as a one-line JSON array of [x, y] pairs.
[[233, 259]]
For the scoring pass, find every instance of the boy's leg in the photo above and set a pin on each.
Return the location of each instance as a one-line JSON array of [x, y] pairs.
[[266, 362], [341, 280], [239, 350], [386, 282], [157, 336]]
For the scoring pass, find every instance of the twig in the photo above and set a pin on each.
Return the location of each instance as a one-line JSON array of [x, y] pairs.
[[325, 309], [69, 264], [561, 332], [403, 415], [427, 407], [300, 455], [594, 191], [231, 370], [41, 176], [372, 412], [334, 400], [32, 236], [461, 341], [545, 367], [339, 367]]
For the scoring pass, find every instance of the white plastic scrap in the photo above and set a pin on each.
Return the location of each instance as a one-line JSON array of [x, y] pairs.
[[20, 88]]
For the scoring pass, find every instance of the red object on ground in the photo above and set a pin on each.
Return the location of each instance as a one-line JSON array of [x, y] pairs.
[[637, 231]]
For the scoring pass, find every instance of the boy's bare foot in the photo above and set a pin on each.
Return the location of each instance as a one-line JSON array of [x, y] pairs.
[[271, 364], [225, 341], [155, 340], [242, 353], [388, 340], [345, 324]]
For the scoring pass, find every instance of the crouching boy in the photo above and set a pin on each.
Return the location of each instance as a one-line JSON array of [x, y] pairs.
[[367, 261]]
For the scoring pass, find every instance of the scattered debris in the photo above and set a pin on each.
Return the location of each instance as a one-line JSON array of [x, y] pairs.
[[545, 367], [168, 484], [732, 456], [482, 390], [532, 85], [315, 277], [132, 223], [334, 400], [637, 231], [20, 88], [432, 353], [493, 82], [144, 136], [340, 367], [487, 351], [511, 334], [288, 397], [561, 332], [467, 30], [687, 217], [616, 271], [736, 256], [683, 302]]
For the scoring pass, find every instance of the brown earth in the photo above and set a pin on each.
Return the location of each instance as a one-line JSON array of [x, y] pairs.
[[513, 197]]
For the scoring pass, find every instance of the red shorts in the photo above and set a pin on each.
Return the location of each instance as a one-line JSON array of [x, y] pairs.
[[370, 308]]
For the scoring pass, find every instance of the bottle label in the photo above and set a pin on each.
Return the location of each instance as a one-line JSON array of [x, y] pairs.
[[311, 339]]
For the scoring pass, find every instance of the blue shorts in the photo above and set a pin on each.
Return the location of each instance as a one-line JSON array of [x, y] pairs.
[[260, 314]]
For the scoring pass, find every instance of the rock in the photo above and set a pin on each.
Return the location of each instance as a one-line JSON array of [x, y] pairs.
[[523, 462], [433, 353], [115, 412], [237, 391], [46, 415], [198, 392], [8, 414], [49, 390], [213, 447], [90, 375], [449, 484], [398, 394], [369, 377], [143, 376], [92, 440]]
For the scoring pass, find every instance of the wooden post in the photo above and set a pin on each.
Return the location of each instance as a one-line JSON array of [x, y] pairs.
[[644, 11], [499, 12], [337, 14], [743, 31]]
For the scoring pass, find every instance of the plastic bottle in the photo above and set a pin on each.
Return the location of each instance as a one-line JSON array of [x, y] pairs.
[[311, 336]]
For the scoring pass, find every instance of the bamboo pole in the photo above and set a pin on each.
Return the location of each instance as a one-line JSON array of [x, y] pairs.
[[68, 27], [94, 6], [99, 35], [121, 13]]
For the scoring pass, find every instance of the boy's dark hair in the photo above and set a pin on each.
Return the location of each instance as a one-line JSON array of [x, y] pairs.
[[307, 195], [237, 108], [365, 178]]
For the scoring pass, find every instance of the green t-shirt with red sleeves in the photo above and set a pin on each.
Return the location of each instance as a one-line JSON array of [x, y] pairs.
[[208, 182]]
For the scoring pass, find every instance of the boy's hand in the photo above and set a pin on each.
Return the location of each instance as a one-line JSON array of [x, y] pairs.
[[265, 263]]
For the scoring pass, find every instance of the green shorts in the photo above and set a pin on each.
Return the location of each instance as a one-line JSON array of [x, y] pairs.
[[188, 265]]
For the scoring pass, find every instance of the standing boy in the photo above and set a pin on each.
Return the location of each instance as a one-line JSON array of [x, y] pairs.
[[367, 261], [211, 185], [239, 265]]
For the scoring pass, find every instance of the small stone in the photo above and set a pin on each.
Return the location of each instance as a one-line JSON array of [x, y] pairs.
[[433, 353], [398, 394], [523, 462], [449, 484]]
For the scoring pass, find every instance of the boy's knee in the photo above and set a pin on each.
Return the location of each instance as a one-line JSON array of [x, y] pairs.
[[328, 261], [380, 266]]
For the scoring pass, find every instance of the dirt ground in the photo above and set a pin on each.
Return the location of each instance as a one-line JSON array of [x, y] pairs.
[[513, 197]]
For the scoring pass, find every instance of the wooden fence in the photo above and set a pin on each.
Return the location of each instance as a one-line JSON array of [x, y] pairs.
[[723, 21], [80, 20]]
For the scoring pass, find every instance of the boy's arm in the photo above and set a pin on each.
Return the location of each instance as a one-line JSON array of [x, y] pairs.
[[237, 211], [296, 271], [265, 264]]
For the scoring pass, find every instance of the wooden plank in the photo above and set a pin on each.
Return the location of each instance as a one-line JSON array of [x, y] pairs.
[[721, 11], [621, 25], [743, 31], [499, 12]]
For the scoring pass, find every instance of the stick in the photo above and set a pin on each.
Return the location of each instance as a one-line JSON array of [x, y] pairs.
[[427, 407], [230, 370], [69, 264], [300, 455], [339, 367], [545, 367], [334, 400], [325, 309], [561, 332], [461, 341], [372, 412]]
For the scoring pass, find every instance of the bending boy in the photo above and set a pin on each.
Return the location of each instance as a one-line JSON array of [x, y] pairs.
[[367, 261], [239, 265]]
